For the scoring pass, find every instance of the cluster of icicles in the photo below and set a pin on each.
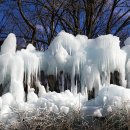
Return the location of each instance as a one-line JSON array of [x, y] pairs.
[[91, 60], [77, 63]]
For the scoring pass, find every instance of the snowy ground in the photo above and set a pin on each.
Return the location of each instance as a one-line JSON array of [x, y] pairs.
[[109, 98]]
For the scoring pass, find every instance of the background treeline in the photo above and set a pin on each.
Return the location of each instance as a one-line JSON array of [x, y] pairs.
[[39, 21]]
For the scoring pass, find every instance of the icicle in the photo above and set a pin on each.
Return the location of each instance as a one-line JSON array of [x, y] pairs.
[[70, 51], [62, 78], [73, 89], [56, 73], [47, 88], [76, 87], [42, 90], [86, 93]]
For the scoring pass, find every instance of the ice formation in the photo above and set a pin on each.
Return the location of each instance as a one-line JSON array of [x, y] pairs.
[[32, 97], [9, 45], [42, 90], [74, 66]]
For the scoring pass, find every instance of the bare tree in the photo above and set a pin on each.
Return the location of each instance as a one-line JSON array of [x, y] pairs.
[[27, 22], [39, 21]]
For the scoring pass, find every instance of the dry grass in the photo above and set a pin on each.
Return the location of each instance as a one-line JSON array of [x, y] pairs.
[[116, 120]]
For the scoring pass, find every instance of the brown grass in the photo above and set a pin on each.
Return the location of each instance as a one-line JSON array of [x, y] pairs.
[[116, 120]]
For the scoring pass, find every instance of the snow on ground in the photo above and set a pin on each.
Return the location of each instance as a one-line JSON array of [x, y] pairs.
[[91, 59], [109, 98]]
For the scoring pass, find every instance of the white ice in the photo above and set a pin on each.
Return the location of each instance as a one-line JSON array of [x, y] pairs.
[[91, 59]]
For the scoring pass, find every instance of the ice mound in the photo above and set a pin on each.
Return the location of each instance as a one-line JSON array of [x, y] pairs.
[[76, 63], [32, 97], [76, 56], [65, 40], [114, 95], [9, 45], [42, 90], [105, 53], [109, 99], [127, 41], [52, 102]]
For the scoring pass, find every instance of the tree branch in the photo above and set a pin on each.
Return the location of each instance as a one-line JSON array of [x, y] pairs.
[[27, 22]]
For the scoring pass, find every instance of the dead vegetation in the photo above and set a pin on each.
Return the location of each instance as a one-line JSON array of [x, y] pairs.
[[117, 120]]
